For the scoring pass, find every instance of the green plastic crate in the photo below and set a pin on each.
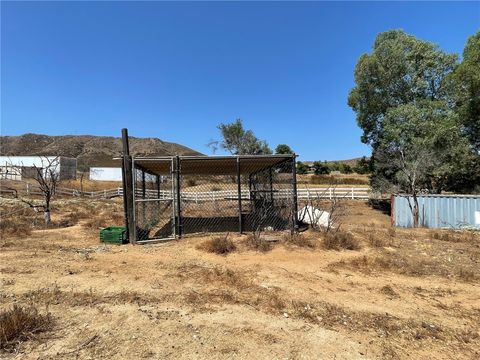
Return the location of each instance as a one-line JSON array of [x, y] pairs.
[[114, 235]]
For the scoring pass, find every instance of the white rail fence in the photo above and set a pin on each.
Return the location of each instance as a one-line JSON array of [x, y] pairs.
[[200, 196]]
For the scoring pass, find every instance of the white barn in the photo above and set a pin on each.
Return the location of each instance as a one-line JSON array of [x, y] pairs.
[[21, 167], [105, 174]]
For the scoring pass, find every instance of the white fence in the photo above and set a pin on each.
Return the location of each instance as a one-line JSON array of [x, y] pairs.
[[200, 196]]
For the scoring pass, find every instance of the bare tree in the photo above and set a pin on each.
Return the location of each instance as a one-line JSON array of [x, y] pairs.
[[47, 177], [410, 175], [323, 210]]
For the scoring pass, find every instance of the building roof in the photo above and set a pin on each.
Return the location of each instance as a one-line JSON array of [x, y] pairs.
[[211, 165]]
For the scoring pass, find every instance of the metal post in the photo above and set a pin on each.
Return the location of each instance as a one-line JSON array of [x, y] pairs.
[[179, 200], [143, 184], [239, 188], [270, 177], [127, 180], [157, 181], [295, 200]]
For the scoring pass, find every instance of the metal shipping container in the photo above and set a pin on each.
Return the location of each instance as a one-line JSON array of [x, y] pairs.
[[438, 211]]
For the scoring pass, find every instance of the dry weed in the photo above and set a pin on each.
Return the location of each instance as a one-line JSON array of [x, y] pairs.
[[340, 240], [220, 245], [254, 241], [20, 324], [17, 226], [299, 240]]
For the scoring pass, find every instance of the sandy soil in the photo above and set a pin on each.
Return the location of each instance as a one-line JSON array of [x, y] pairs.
[[176, 301]]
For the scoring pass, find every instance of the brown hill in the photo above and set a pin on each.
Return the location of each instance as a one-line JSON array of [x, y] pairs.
[[89, 150]]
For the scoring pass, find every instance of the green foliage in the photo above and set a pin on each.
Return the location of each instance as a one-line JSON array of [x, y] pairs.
[[466, 85], [283, 149], [363, 166], [239, 141], [345, 168], [418, 110], [302, 168], [401, 69], [320, 168]]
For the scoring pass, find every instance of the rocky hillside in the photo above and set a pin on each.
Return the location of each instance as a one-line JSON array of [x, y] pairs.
[[89, 150]]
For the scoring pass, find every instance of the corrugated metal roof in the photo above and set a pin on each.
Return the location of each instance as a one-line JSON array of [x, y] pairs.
[[212, 165]]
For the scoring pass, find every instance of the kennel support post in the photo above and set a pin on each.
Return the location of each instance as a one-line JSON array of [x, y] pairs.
[[179, 200], [239, 191], [127, 180], [295, 197]]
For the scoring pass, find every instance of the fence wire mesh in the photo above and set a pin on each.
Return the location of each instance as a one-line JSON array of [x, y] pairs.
[[203, 195], [154, 205]]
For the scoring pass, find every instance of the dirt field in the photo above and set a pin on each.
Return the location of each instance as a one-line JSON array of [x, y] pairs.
[[404, 294]]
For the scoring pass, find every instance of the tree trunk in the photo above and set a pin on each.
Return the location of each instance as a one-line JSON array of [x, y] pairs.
[[415, 211], [46, 215]]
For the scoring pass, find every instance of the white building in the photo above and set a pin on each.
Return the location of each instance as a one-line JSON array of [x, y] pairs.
[[22, 167], [105, 174]]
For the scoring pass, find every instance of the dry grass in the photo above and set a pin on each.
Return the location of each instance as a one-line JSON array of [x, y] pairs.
[[299, 240], [20, 324], [15, 227], [389, 291], [340, 240], [255, 241], [456, 236], [406, 264], [220, 245]]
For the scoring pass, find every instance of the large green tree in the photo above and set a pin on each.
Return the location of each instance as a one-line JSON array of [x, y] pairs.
[[283, 149], [417, 107], [400, 69], [239, 141], [466, 86]]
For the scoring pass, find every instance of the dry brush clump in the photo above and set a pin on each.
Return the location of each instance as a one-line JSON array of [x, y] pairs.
[[405, 264], [457, 236], [297, 239], [340, 240], [255, 241], [220, 245], [20, 324]]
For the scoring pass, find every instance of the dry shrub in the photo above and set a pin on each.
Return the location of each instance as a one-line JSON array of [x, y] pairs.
[[103, 220], [220, 245], [72, 219], [466, 275], [17, 226], [297, 239], [340, 240], [388, 290], [456, 236], [375, 241], [392, 232], [254, 241], [20, 324], [405, 265]]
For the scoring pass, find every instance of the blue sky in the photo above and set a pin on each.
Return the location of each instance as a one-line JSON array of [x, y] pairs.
[[176, 70]]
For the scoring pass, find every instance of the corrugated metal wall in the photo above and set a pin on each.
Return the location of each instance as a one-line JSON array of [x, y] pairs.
[[438, 211]]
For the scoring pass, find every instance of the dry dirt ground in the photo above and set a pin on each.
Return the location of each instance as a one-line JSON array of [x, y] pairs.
[[405, 294]]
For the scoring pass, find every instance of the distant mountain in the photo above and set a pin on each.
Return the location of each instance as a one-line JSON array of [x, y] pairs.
[[89, 150]]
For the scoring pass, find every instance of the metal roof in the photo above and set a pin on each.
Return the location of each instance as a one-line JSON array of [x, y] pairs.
[[211, 165]]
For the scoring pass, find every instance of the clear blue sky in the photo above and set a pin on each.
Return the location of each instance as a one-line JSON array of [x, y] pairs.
[[176, 70]]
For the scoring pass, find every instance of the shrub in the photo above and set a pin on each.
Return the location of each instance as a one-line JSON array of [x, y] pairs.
[[255, 242], [375, 241], [340, 240], [221, 245], [19, 324], [15, 226], [298, 240]]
